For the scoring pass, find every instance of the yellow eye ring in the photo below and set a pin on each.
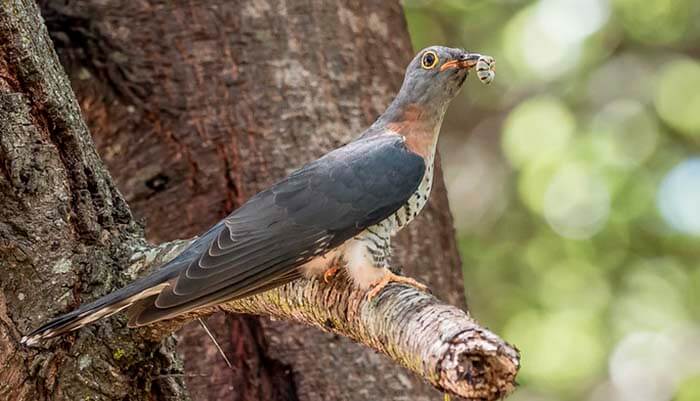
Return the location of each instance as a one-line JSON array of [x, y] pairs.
[[429, 60]]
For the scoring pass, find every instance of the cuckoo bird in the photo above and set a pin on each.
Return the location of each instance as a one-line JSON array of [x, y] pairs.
[[339, 210]]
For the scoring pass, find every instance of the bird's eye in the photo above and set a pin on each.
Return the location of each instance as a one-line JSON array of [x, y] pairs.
[[429, 60]]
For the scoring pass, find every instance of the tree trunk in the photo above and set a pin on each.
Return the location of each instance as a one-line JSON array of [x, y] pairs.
[[195, 107], [66, 234]]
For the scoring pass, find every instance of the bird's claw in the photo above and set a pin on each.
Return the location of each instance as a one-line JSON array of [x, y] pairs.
[[378, 286], [329, 274]]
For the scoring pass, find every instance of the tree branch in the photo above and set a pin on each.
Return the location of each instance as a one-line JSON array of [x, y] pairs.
[[439, 342]]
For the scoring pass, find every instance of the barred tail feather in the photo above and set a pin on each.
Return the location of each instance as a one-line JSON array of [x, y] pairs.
[[102, 307]]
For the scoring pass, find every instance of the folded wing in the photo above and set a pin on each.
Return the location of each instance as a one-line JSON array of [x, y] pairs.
[[262, 244]]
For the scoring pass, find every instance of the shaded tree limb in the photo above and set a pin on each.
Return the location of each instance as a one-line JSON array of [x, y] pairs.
[[439, 342]]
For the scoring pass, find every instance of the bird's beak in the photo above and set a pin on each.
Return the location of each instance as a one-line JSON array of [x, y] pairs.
[[465, 62]]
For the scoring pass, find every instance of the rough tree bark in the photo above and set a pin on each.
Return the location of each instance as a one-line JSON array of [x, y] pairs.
[[65, 234], [195, 106]]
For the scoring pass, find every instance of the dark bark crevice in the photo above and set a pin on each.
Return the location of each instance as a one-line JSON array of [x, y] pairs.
[[80, 42]]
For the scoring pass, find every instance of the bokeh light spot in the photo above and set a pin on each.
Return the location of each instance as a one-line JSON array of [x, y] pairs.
[[678, 197], [537, 128], [551, 342], [571, 20], [577, 202], [632, 362], [628, 76], [655, 21], [650, 298], [536, 52], [649, 366], [689, 390], [575, 285], [678, 96], [624, 134], [534, 180]]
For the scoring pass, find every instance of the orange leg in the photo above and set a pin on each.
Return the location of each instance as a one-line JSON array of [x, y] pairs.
[[390, 277], [330, 273]]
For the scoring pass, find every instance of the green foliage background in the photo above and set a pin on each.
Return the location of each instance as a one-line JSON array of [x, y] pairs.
[[575, 184]]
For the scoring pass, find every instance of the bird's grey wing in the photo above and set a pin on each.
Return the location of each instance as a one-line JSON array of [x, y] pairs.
[[315, 209]]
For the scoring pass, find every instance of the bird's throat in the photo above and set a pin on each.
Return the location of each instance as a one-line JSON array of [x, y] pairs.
[[419, 126]]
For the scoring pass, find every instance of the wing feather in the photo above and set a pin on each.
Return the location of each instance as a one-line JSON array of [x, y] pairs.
[[262, 244]]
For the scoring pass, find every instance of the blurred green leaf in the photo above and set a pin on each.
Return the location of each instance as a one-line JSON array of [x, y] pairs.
[[678, 96], [689, 390]]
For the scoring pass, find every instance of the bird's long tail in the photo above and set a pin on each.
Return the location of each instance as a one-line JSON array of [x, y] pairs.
[[100, 308]]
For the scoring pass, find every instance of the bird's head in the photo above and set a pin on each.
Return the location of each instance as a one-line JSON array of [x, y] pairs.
[[435, 75], [433, 78]]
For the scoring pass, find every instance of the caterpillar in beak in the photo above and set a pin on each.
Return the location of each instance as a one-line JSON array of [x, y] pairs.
[[485, 69]]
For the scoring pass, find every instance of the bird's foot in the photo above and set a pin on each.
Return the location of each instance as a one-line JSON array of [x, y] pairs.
[[330, 273], [378, 286]]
